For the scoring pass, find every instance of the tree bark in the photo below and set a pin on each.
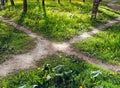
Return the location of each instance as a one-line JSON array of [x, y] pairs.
[[83, 0], [12, 2], [43, 2], [59, 1], [95, 8], [24, 6], [2, 4]]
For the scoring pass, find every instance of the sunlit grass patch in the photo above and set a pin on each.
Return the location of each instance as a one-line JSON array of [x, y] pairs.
[[104, 45], [13, 41], [58, 22]]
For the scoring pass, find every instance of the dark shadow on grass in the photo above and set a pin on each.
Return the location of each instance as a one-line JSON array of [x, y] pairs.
[[44, 11], [45, 15], [109, 16], [38, 4], [79, 5], [117, 12], [21, 19], [96, 22], [60, 4]]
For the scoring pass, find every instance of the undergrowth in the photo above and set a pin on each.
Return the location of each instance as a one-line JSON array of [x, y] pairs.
[[60, 71], [13, 41], [104, 45]]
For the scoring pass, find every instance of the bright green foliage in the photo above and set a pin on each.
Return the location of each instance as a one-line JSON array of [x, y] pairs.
[[104, 45], [60, 72], [13, 41], [58, 22]]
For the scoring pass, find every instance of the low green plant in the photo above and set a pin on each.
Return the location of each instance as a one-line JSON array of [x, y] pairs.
[[61, 71], [13, 41], [104, 45]]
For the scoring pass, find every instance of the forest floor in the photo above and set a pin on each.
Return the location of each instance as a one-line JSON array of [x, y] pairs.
[[46, 47], [113, 6]]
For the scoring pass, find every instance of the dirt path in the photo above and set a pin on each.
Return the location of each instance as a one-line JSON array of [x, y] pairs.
[[45, 47], [94, 30], [113, 5], [92, 60]]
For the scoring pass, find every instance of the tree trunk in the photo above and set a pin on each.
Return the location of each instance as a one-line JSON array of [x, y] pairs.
[[12, 2], [6, 0], [83, 0], [24, 6], [95, 8], [2, 4], [70, 1], [43, 2], [59, 1]]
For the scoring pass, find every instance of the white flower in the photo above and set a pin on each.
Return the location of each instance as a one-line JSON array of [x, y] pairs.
[[35, 86], [48, 77]]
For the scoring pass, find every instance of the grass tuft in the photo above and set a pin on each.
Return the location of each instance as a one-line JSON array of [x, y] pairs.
[[56, 71], [104, 45], [13, 41]]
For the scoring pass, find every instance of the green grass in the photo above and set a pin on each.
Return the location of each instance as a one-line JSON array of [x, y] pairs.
[[58, 22], [13, 41], [104, 45], [62, 72]]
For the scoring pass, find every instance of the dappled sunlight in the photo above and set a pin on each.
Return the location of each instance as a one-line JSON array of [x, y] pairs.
[[62, 47]]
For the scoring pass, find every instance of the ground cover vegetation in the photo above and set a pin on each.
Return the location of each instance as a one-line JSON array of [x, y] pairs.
[[104, 45], [13, 41], [58, 22], [56, 71]]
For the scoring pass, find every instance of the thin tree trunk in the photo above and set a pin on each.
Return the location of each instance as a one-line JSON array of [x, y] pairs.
[[83, 0], [43, 2], [95, 8], [59, 1], [2, 4], [12, 2], [24, 6]]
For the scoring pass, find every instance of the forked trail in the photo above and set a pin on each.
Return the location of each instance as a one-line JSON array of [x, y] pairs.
[[46, 47]]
